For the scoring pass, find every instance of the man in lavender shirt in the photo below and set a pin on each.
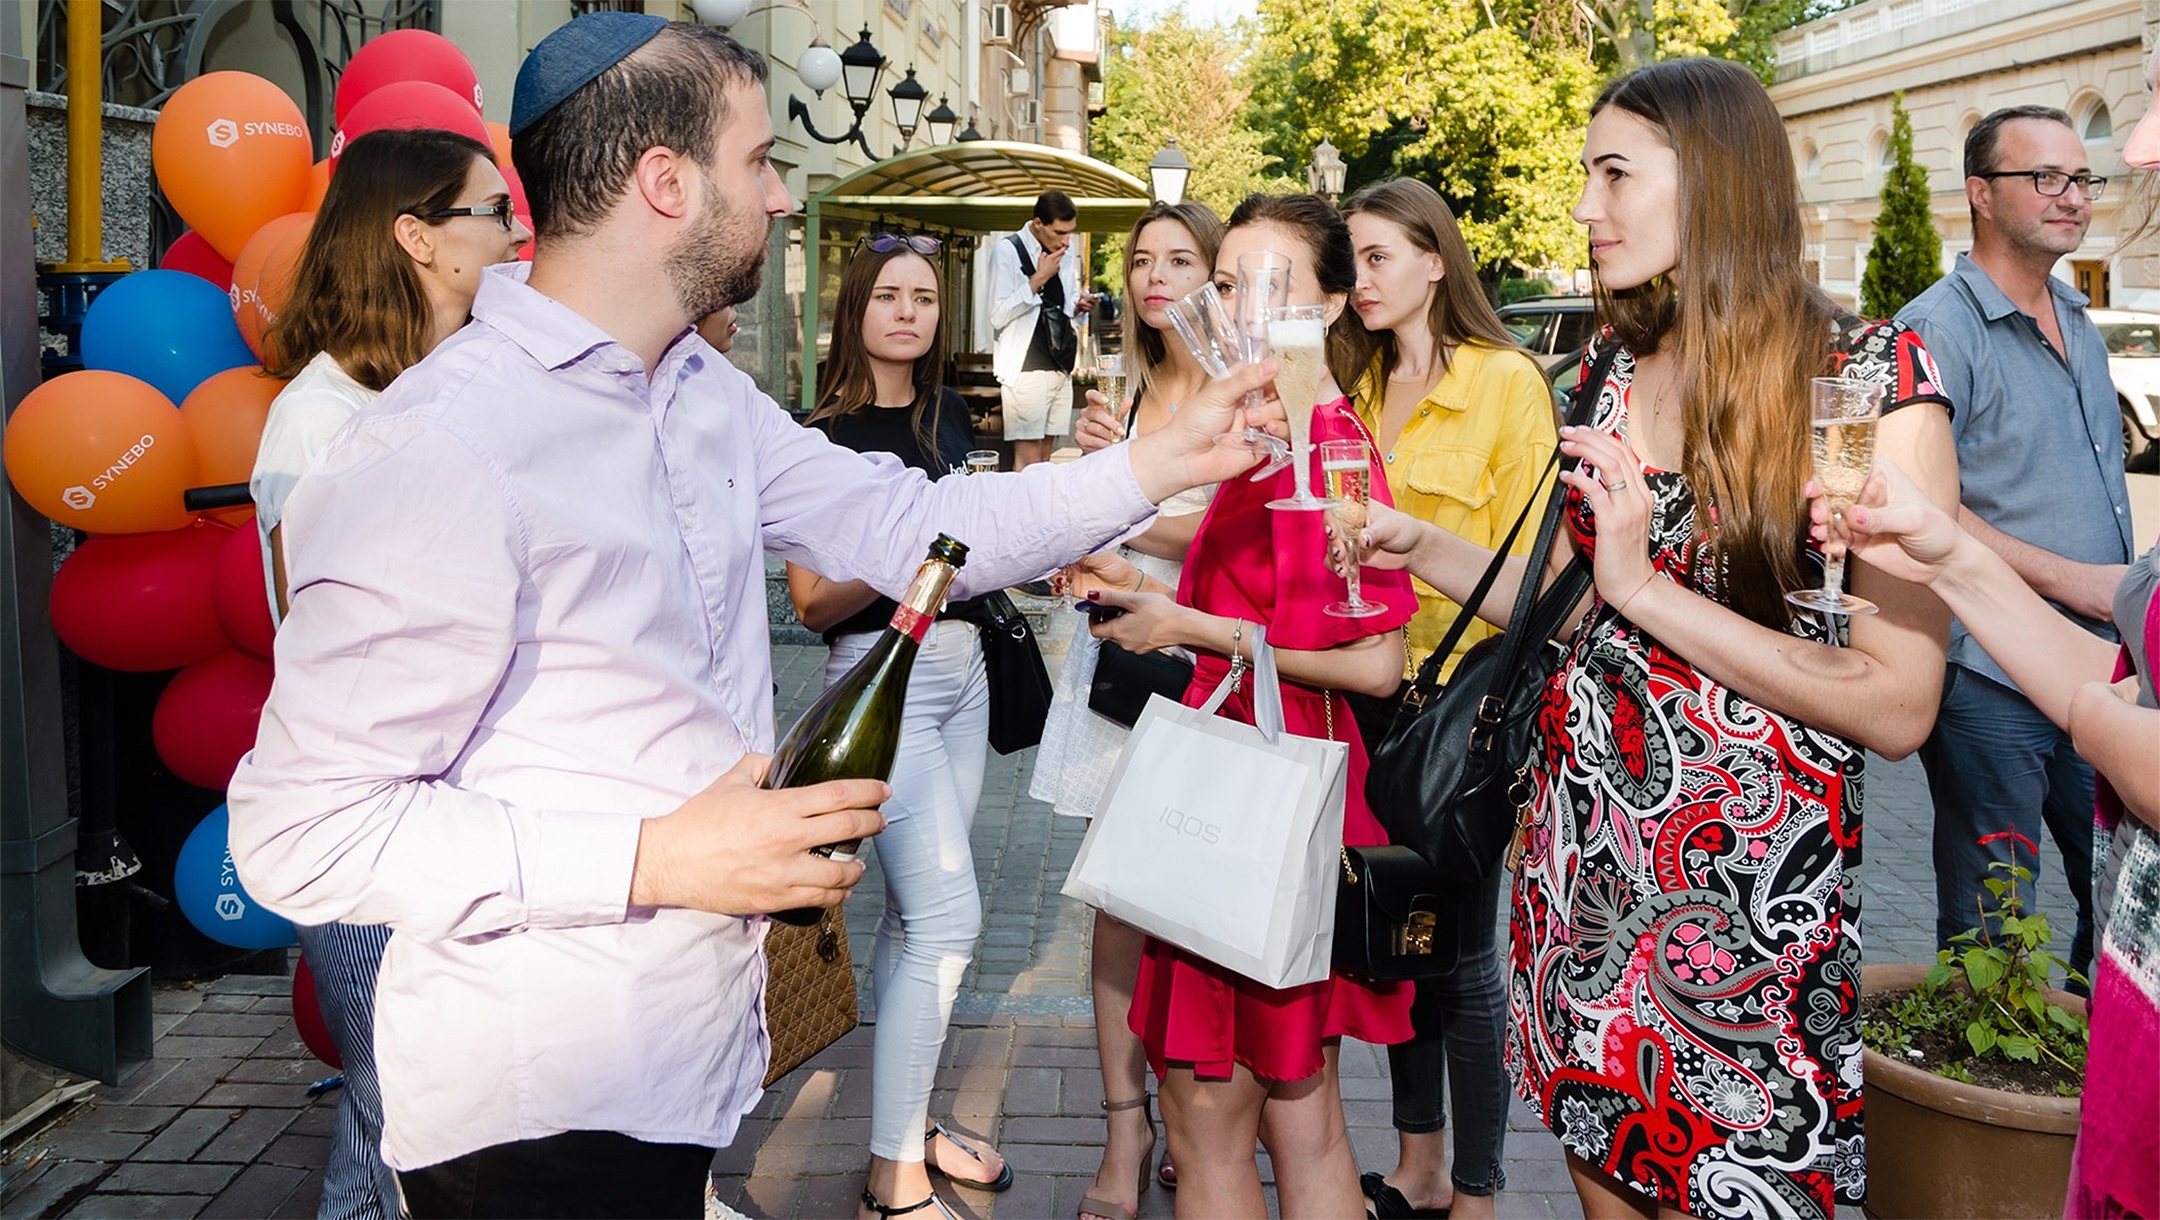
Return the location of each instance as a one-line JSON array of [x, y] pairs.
[[524, 690]]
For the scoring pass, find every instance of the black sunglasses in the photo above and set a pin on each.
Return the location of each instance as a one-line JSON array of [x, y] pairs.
[[885, 243], [505, 213]]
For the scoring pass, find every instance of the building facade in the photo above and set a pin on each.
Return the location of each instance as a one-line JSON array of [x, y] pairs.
[[1955, 61]]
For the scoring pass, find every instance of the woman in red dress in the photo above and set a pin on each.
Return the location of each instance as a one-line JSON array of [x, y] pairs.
[[1237, 1060]]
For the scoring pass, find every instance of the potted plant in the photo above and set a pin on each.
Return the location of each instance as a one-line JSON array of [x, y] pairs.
[[1973, 1068]]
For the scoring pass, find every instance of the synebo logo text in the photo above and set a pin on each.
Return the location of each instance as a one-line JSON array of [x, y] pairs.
[[224, 133], [119, 467], [78, 497]]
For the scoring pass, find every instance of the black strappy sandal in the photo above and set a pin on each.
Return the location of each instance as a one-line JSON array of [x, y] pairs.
[[1003, 1181], [942, 1213]]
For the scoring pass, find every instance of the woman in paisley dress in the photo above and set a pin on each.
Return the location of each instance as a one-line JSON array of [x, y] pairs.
[[1685, 966]]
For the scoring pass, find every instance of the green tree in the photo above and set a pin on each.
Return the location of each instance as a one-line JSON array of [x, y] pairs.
[[1180, 79], [1630, 33], [1489, 114], [1907, 253]]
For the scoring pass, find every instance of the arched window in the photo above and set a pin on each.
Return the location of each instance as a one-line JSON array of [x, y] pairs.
[[1885, 154], [2098, 126], [1810, 160]]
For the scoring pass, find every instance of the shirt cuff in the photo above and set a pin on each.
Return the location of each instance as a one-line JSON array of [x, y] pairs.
[[581, 865]]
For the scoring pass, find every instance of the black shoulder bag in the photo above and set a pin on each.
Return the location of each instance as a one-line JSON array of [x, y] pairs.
[[1019, 684], [1450, 776]]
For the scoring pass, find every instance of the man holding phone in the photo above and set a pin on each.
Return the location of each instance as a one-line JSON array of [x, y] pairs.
[[1034, 296]]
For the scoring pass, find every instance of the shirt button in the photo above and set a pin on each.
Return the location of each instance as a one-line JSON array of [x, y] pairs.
[[716, 626]]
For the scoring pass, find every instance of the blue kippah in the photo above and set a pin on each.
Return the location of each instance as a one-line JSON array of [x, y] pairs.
[[571, 56]]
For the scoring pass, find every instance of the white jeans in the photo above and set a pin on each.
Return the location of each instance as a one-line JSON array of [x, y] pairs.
[[933, 907]]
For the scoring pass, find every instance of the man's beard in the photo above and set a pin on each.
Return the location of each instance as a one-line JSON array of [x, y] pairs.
[[715, 264]]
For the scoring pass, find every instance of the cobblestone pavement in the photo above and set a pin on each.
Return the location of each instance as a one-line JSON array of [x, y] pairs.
[[219, 1124]]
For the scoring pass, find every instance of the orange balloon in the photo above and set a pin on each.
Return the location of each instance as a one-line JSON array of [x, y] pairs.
[[232, 153], [318, 186], [225, 417], [102, 452], [263, 275], [499, 136]]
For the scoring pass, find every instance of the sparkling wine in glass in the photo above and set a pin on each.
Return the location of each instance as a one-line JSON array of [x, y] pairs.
[[1297, 339], [1347, 467], [1843, 414], [982, 461], [1204, 321], [1110, 383]]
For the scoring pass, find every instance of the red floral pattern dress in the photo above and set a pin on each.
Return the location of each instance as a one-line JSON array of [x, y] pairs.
[[1684, 988], [1271, 567]]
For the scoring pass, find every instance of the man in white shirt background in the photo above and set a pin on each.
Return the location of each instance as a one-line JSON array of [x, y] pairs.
[[1034, 297]]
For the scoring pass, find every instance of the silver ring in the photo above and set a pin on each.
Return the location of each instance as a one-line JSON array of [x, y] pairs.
[[1622, 485]]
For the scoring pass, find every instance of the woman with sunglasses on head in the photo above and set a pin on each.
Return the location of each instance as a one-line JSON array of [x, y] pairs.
[[883, 392], [1170, 252], [390, 269], [1464, 423], [1685, 962], [1239, 1061]]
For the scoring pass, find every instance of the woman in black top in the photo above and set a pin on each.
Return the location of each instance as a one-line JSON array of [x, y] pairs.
[[884, 395]]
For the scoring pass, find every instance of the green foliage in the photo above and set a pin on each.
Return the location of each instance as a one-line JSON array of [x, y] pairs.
[[1626, 34], [1489, 113], [1511, 290], [1907, 254], [1990, 992]]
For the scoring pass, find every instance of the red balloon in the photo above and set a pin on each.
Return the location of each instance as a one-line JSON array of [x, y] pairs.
[[407, 105], [241, 594], [206, 718], [307, 1016], [141, 602], [405, 55], [190, 253]]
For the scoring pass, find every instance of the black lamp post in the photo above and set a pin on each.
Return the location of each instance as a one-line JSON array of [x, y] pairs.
[[1167, 173], [942, 121], [860, 67]]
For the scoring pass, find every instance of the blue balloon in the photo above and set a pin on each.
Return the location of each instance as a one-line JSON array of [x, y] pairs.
[[168, 328], [210, 893]]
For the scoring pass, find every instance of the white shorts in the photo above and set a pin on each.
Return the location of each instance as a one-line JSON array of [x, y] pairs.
[[1037, 404]]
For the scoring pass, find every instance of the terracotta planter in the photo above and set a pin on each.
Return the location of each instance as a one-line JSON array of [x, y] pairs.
[[1936, 1147]]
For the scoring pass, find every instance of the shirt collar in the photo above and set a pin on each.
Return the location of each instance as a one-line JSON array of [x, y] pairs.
[[1994, 306], [1451, 392], [552, 333]]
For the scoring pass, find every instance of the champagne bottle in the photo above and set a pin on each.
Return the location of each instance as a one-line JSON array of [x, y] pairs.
[[852, 731]]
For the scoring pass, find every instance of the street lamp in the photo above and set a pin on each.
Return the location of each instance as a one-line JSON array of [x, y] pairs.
[[1167, 173], [907, 102], [968, 134], [1325, 174], [942, 121]]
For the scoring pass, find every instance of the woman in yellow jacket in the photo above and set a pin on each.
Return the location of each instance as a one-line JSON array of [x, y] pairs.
[[1465, 424]]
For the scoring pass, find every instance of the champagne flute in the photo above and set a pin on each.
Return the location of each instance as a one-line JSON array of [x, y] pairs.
[[982, 461], [1205, 324], [1347, 466], [1297, 338], [1843, 414], [1110, 383]]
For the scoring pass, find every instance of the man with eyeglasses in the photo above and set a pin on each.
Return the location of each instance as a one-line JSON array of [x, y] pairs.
[[1034, 297], [2040, 459]]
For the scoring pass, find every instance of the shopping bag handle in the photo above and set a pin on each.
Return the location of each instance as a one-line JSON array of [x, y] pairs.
[[1267, 687]]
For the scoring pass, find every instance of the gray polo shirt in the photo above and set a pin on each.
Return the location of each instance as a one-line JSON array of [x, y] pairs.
[[2039, 437]]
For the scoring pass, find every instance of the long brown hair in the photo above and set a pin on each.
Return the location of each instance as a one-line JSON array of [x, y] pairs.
[[1459, 311], [1334, 260], [850, 385], [1145, 350], [1748, 328], [356, 294]]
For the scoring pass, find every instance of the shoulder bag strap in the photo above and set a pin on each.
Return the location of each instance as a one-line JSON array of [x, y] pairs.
[[1027, 265], [1585, 400]]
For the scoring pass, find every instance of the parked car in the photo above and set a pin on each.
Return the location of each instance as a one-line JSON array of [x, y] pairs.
[[2133, 346], [1554, 329]]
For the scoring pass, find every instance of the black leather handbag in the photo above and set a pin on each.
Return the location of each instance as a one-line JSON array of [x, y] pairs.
[[1451, 775], [1393, 921], [1125, 679], [1019, 684]]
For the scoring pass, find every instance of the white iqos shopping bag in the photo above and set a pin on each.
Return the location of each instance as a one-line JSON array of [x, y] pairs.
[[1222, 838]]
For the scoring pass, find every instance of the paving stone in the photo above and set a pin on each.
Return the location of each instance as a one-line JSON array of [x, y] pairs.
[[255, 1192], [129, 1207], [1030, 1129], [298, 1151], [186, 1135], [255, 984], [71, 1144], [837, 1194], [143, 1119], [290, 1096], [176, 1045], [206, 1024], [304, 1201], [833, 1132], [317, 1119], [227, 1002], [144, 1178], [299, 1072], [248, 1135], [186, 1083], [50, 1186], [1032, 1090]]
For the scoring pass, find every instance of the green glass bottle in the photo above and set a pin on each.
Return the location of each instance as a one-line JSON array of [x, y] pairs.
[[852, 731]]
